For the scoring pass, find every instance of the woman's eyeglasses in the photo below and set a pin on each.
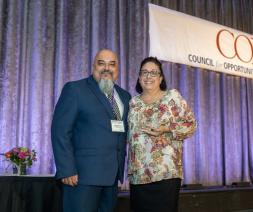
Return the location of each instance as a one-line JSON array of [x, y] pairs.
[[153, 73]]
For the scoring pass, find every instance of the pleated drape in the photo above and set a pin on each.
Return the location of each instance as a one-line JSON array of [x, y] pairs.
[[46, 43]]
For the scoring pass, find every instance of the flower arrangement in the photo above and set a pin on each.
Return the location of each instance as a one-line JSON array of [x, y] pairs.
[[20, 155]]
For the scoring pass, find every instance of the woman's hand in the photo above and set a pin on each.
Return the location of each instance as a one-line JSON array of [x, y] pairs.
[[155, 131]]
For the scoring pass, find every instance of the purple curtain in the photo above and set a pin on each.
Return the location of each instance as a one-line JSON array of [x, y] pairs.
[[45, 43]]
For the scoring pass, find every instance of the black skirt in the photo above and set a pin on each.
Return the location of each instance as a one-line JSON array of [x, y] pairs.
[[159, 196]]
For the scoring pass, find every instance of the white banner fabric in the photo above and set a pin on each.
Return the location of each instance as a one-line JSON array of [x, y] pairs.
[[181, 38]]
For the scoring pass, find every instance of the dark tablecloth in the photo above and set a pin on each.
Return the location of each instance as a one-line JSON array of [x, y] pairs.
[[30, 194]]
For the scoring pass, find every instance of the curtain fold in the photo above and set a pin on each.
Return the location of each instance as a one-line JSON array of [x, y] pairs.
[[46, 43]]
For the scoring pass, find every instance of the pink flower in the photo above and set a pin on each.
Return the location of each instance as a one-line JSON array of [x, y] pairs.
[[15, 151], [162, 109], [135, 135], [22, 155], [34, 159], [147, 172], [132, 106]]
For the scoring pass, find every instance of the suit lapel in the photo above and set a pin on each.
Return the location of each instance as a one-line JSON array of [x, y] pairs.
[[101, 96]]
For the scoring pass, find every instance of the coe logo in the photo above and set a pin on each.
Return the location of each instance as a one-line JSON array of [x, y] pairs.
[[235, 46]]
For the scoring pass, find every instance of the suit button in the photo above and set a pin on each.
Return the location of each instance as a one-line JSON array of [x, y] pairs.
[[119, 134], [118, 150]]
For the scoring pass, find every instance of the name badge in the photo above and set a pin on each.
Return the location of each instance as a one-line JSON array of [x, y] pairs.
[[117, 126]]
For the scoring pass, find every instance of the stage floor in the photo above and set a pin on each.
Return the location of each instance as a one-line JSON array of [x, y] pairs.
[[207, 199]]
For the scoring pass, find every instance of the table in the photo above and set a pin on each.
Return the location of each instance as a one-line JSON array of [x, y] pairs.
[[30, 193]]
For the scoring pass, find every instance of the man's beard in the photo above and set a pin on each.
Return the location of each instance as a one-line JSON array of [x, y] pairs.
[[105, 85]]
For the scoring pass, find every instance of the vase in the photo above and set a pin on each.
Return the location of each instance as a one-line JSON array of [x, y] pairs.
[[23, 169], [15, 170]]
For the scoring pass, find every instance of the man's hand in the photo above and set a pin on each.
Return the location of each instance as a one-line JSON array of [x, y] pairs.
[[72, 181]]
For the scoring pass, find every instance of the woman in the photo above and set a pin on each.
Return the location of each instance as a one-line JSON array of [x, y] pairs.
[[159, 120]]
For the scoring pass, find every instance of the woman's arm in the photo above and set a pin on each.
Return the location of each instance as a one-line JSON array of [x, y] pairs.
[[182, 123]]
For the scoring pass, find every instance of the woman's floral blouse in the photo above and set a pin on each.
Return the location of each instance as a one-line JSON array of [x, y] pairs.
[[153, 158]]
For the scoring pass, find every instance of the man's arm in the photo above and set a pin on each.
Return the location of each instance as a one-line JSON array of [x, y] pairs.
[[61, 133]]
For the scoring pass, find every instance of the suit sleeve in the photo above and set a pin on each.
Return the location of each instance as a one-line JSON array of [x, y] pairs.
[[64, 119]]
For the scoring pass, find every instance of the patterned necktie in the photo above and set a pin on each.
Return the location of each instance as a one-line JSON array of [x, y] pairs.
[[115, 108]]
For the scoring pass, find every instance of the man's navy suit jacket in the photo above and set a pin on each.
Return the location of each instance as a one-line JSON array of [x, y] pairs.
[[82, 138]]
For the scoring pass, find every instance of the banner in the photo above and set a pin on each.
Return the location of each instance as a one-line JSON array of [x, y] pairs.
[[181, 38]]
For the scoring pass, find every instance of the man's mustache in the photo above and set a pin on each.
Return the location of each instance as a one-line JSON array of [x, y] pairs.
[[106, 71]]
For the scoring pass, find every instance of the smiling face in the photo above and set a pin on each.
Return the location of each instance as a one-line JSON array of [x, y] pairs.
[[105, 63], [149, 83]]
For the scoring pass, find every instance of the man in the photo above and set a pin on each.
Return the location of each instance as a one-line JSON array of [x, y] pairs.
[[89, 144]]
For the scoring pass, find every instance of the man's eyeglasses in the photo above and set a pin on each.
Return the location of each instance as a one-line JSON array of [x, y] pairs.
[[153, 73]]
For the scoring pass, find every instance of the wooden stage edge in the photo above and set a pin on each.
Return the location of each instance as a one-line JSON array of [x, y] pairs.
[[207, 199]]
